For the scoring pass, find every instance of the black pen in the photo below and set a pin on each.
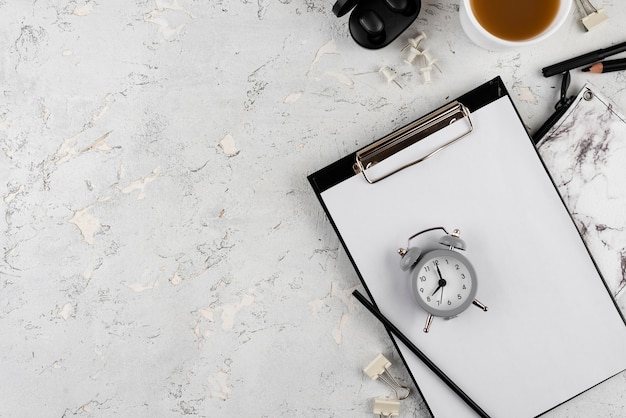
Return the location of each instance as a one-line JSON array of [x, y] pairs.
[[581, 60], [428, 362], [607, 66]]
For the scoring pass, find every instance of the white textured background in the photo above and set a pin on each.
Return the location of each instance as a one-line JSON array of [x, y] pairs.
[[162, 253]]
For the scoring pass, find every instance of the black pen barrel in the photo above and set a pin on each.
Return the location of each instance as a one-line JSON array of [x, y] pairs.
[[429, 363], [572, 63], [581, 60]]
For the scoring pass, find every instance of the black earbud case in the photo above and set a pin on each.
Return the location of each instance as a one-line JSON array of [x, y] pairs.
[[376, 23]]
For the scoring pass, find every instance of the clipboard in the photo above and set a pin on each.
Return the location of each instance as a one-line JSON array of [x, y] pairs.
[[553, 329], [585, 152]]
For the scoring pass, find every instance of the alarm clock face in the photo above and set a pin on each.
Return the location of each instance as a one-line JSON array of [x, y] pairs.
[[444, 283]]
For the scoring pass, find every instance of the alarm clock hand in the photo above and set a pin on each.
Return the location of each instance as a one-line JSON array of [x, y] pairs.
[[442, 282], [437, 290], [439, 273]]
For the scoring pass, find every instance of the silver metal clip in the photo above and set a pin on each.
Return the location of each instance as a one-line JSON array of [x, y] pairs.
[[409, 135]]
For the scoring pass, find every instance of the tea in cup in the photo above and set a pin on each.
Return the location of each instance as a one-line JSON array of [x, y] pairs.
[[503, 24]]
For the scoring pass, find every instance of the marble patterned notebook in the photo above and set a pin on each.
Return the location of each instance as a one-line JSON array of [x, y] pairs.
[[585, 153]]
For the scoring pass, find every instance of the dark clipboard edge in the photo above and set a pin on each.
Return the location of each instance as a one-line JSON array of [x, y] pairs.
[[567, 400], [342, 169]]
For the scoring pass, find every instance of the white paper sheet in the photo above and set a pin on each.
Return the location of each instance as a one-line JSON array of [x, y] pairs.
[[552, 330]]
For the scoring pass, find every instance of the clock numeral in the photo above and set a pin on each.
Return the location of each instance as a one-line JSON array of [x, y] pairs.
[[462, 276], [464, 287], [436, 262], [459, 297], [428, 299], [421, 290], [423, 278], [426, 268], [447, 262], [457, 267], [449, 303]]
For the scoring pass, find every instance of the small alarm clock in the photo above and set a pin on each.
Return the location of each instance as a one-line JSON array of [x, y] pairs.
[[443, 281]]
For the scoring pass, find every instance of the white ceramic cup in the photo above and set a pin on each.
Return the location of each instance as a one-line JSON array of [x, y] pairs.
[[486, 40]]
